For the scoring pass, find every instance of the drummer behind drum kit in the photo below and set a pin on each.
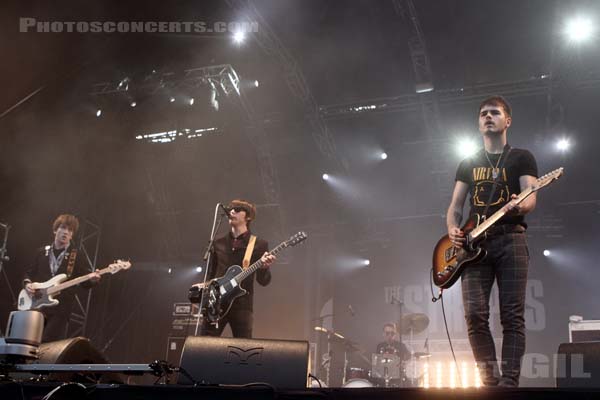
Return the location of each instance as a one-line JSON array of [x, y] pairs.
[[387, 370]]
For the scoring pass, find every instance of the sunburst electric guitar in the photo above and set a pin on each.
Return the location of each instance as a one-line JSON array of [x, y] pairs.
[[449, 261], [44, 291]]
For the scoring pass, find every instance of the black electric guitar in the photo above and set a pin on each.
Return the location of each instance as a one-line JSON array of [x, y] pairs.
[[222, 292], [449, 261]]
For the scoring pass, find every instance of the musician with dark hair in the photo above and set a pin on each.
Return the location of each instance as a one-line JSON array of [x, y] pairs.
[[239, 247], [493, 177], [391, 344], [60, 257]]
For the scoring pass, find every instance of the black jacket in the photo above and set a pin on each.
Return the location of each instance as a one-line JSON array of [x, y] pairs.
[[224, 256]]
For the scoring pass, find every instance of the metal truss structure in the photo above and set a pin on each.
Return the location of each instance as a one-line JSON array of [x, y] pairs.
[[294, 78], [87, 249], [222, 76], [533, 86], [427, 96]]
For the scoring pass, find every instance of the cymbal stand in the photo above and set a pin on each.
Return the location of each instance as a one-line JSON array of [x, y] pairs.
[[3, 258], [412, 357]]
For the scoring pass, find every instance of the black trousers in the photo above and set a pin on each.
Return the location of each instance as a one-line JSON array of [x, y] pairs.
[[239, 320], [56, 322], [506, 263]]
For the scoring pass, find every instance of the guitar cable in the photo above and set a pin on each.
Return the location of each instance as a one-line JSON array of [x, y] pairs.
[[433, 300]]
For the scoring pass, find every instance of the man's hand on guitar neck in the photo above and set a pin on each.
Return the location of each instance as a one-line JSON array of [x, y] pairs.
[[457, 236], [95, 277], [267, 260]]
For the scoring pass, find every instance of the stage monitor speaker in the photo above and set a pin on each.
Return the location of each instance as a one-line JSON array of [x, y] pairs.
[[578, 365], [77, 350], [227, 361]]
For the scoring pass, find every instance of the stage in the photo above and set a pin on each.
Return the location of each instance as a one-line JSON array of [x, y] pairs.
[[118, 392]]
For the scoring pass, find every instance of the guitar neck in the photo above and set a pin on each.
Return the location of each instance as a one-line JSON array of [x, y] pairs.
[[485, 225], [76, 281], [254, 267]]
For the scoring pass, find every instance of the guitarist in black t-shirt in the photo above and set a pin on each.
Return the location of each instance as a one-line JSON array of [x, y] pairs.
[[493, 178]]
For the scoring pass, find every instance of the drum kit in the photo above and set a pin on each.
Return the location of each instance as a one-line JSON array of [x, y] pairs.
[[386, 369]]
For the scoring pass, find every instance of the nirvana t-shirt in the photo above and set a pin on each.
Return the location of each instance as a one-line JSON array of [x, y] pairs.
[[478, 172]]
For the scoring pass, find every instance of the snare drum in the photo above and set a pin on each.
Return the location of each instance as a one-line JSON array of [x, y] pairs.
[[357, 373]]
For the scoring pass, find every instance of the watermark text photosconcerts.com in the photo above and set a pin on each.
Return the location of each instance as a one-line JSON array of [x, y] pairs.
[[27, 25]]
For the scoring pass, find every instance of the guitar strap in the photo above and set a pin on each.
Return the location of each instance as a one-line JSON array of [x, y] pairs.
[[249, 250], [495, 183], [71, 262]]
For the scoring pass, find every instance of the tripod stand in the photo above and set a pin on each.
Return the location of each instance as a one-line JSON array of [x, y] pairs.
[[3, 258]]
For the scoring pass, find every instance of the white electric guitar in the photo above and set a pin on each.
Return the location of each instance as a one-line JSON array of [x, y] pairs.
[[42, 297]]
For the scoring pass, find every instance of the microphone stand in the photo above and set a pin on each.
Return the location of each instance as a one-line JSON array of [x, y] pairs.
[[3, 258], [207, 257]]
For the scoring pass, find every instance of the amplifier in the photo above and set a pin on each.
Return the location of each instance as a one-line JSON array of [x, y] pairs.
[[581, 330]]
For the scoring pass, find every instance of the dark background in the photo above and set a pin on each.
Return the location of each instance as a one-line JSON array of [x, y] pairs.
[[154, 202]]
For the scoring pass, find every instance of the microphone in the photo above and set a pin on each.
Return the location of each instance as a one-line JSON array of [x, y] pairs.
[[351, 309], [226, 210]]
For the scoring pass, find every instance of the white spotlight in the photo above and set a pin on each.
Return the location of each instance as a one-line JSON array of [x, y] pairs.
[[169, 270], [366, 263], [133, 104], [579, 29], [198, 269], [239, 37], [191, 101], [98, 113], [383, 156], [466, 147], [563, 145], [172, 99], [325, 177], [255, 83], [547, 253]]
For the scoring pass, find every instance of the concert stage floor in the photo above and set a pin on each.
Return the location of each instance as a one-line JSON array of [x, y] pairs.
[[118, 392]]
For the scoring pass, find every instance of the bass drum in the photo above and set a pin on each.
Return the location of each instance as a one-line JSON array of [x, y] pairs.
[[357, 383]]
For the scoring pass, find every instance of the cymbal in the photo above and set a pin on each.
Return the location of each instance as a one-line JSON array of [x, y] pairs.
[[416, 323], [421, 354]]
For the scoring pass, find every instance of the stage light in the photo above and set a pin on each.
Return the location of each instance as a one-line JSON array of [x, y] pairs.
[[477, 376], [383, 156], [466, 147], [133, 104], [366, 263], [579, 29], [239, 37], [198, 269], [563, 145], [255, 83], [169, 270], [325, 177], [426, 384], [547, 253], [464, 370], [172, 99], [98, 113], [191, 101]]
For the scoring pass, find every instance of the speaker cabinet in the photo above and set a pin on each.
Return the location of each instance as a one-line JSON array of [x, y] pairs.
[[227, 361], [76, 350], [578, 365]]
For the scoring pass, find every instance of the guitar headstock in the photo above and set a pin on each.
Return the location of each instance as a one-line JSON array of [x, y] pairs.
[[547, 179], [118, 265], [296, 239]]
